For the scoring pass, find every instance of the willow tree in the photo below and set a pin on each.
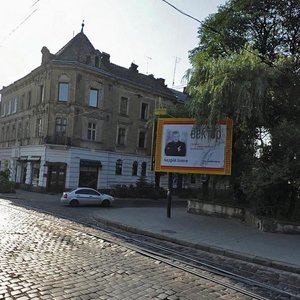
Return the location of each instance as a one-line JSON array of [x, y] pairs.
[[246, 67]]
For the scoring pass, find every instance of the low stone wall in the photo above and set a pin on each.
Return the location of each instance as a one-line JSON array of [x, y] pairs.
[[263, 224], [199, 207], [271, 225]]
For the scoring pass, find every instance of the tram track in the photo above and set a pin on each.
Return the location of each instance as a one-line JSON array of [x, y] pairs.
[[198, 267], [191, 264]]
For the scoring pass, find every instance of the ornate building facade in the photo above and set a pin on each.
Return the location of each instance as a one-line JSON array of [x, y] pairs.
[[80, 120]]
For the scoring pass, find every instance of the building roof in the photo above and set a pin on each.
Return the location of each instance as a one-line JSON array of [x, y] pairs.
[[76, 49], [79, 49]]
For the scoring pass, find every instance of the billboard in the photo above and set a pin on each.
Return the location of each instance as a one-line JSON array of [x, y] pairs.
[[182, 146]]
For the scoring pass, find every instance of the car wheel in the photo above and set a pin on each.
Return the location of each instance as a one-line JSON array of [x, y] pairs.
[[106, 203], [74, 203]]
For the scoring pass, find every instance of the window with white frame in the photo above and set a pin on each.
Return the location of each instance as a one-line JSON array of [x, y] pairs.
[[14, 105], [9, 108], [42, 92], [91, 132], [93, 97], [124, 106], [121, 136], [39, 131], [60, 126], [144, 111], [63, 91]]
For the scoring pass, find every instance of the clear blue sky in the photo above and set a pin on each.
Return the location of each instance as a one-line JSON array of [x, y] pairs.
[[147, 32]]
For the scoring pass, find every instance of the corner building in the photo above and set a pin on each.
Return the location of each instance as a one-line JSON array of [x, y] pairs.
[[80, 120]]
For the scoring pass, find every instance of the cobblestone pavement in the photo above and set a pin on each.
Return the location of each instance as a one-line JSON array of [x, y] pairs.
[[43, 257]]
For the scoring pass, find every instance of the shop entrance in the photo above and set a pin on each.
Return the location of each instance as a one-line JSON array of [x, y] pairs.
[[88, 176], [56, 177]]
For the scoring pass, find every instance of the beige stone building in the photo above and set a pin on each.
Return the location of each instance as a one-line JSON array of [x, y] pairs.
[[80, 120]]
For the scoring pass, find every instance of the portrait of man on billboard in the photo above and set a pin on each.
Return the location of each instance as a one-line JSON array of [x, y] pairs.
[[175, 147]]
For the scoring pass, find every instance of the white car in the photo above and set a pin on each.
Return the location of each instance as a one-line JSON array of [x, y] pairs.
[[84, 195]]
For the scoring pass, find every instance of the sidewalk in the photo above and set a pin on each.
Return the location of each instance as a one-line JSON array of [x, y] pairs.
[[229, 237]]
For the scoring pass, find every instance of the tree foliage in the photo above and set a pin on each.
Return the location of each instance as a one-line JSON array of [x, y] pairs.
[[247, 67]]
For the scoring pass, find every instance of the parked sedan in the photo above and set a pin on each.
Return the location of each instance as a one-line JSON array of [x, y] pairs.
[[82, 196]]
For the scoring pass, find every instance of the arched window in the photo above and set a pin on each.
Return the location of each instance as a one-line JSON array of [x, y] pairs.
[[144, 167], [134, 168], [119, 167]]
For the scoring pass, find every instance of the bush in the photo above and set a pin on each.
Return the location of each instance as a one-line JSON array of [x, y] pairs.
[[6, 186], [143, 189]]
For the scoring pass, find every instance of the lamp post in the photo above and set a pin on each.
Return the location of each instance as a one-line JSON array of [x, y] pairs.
[[169, 194]]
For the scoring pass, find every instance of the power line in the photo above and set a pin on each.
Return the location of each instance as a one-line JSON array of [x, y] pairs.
[[19, 25], [35, 3], [182, 12], [262, 58]]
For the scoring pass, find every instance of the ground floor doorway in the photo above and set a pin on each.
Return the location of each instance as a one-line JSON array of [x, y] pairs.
[[56, 177], [88, 175]]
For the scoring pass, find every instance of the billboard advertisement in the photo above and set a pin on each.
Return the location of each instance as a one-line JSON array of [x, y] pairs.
[[183, 146]]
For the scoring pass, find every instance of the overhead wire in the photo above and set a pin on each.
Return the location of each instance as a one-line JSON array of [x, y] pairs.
[[262, 58], [20, 24]]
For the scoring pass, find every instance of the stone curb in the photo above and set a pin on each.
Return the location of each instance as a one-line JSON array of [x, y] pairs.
[[205, 247]]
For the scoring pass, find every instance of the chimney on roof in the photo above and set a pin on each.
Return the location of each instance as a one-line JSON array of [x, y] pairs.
[[105, 58], [161, 81], [46, 55], [133, 67]]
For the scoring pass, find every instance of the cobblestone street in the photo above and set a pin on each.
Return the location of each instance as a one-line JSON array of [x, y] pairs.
[[43, 257]]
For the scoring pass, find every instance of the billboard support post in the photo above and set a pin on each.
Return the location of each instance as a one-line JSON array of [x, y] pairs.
[[169, 194]]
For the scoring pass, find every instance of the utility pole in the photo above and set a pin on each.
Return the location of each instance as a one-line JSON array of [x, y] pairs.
[[148, 58], [177, 60]]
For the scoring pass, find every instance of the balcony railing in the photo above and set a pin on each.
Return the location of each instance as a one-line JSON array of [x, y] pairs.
[[58, 140]]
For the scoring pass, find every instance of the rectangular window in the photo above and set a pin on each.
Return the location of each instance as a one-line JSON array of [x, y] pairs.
[[3, 109], [13, 132], [93, 98], [14, 105], [7, 133], [29, 99], [142, 139], [121, 136], [41, 93], [144, 111], [39, 127], [119, 167], [60, 126], [9, 108], [124, 106], [26, 132], [91, 134], [22, 102], [20, 128], [63, 91]]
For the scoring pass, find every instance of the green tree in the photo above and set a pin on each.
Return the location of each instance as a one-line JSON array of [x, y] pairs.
[[246, 67]]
